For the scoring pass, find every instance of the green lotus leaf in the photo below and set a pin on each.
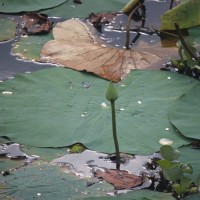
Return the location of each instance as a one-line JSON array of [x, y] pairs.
[[193, 197], [173, 174], [14, 6], [169, 153], [185, 113], [7, 29], [186, 15], [191, 156], [28, 48], [195, 33], [69, 9], [59, 107], [166, 164], [6, 164], [137, 195], [48, 182]]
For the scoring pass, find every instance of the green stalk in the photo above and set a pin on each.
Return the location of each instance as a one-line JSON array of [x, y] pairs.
[[111, 95], [115, 135]]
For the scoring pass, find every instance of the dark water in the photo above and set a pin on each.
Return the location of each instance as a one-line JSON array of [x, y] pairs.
[[10, 65]]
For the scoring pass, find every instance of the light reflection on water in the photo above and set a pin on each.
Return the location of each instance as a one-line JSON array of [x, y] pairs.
[[83, 163]]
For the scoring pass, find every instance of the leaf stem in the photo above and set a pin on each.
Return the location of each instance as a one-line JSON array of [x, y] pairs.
[[115, 135], [128, 25], [171, 4], [184, 43]]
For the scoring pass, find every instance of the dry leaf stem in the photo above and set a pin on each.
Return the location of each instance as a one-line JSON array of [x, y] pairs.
[[128, 24], [184, 43]]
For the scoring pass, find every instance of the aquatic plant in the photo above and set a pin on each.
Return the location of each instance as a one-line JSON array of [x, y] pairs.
[[176, 172]]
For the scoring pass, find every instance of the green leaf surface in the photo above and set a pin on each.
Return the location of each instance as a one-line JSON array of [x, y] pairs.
[[69, 9], [14, 6], [191, 156], [138, 195], [173, 174], [59, 107], [28, 48], [48, 182], [195, 33], [6, 164], [186, 15], [169, 153], [166, 164], [192, 197], [7, 29], [185, 113]]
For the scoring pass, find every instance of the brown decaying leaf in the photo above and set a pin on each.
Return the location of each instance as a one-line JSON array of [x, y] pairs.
[[76, 47], [119, 178], [101, 18], [35, 23]]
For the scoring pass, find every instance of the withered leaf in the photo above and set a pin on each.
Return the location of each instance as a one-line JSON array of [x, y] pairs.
[[101, 18], [76, 47], [34, 23], [119, 178]]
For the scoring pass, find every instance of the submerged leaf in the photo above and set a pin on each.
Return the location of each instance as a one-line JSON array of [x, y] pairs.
[[28, 48], [75, 46], [59, 107], [7, 29]]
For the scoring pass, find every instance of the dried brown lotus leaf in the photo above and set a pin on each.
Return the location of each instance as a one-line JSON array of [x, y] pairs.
[[75, 46]]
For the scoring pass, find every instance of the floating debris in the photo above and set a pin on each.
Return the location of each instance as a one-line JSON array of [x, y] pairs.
[[121, 179]]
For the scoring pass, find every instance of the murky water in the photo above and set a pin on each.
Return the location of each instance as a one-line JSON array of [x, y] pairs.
[[82, 163]]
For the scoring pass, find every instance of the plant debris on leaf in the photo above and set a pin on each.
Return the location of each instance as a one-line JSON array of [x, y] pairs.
[[34, 23], [119, 178], [76, 47]]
